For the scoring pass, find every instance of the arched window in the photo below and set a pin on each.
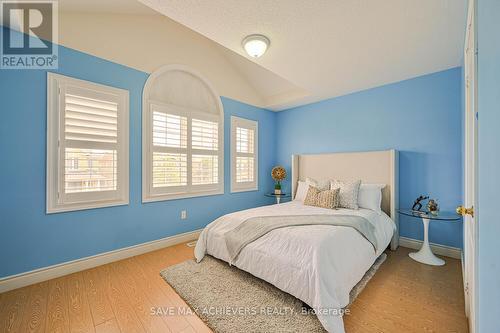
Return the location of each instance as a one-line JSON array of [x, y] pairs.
[[182, 136]]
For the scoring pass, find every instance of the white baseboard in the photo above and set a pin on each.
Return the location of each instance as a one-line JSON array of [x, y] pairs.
[[46, 273], [443, 250]]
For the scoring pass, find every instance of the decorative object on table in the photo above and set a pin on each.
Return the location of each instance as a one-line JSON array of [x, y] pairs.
[[417, 205], [433, 206], [279, 174]]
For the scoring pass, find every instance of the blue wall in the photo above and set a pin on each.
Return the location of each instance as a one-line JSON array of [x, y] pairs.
[[488, 218], [420, 117], [30, 239]]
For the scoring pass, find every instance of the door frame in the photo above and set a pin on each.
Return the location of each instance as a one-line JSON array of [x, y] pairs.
[[470, 168]]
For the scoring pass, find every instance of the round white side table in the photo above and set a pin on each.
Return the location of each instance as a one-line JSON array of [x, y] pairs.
[[425, 255]]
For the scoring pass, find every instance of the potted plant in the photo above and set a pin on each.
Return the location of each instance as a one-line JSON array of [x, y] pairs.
[[278, 174]]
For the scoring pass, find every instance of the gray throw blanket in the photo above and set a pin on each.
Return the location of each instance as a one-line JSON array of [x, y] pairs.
[[256, 227]]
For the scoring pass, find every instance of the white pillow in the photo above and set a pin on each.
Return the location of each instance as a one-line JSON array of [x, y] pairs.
[[370, 196], [301, 192], [303, 187], [320, 185]]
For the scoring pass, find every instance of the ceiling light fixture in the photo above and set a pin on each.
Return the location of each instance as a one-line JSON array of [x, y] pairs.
[[256, 45]]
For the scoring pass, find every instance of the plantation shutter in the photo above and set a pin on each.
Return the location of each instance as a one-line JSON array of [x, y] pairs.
[[244, 154], [169, 149], [92, 154], [205, 141], [185, 150], [90, 143], [90, 119], [245, 159]]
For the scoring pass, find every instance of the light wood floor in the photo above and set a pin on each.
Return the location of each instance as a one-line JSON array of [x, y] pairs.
[[404, 296]]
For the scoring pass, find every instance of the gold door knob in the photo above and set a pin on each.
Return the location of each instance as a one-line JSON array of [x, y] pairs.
[[461, 210]]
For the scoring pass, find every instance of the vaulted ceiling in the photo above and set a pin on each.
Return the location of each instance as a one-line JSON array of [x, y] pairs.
[[333, 47], [319, 49]]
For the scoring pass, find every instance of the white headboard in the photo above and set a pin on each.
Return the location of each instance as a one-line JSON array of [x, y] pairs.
[[380, 167]]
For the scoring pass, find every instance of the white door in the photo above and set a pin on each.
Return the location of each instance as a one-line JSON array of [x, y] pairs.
[[470, 158]]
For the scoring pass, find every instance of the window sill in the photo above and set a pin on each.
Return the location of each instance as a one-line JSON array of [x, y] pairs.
[[85, 206], [167, 197], [248, 189]]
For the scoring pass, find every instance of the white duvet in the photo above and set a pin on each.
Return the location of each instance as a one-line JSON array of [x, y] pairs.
[[318, 264]]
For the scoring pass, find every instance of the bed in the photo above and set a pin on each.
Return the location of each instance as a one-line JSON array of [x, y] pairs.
[[318, 264]]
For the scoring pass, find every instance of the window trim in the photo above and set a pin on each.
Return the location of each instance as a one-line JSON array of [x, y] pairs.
[[250, 124], [54, 172], [148, 194]]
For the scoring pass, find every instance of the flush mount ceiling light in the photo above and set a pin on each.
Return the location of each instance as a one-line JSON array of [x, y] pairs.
[[256, 45]]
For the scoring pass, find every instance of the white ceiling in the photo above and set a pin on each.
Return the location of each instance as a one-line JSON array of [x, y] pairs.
[[105, 6], [328, 48], [270, 86]]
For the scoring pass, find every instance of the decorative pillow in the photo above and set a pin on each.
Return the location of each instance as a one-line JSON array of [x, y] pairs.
[[370, 196], [324, 199], [348, 193], [301, 192]]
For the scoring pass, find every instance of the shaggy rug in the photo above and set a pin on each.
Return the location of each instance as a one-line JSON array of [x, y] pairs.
[[230, 300]]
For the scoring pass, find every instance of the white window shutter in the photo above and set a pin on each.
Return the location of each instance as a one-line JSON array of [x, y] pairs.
[[169, 149], [169, 130], [205, 134], [205, 169], [244, 157], [90, 119], [87, 165]]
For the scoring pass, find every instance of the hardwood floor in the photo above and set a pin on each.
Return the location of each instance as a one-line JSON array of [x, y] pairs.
[[404, 296]]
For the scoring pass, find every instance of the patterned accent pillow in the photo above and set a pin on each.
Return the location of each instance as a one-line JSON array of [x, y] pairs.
[[349, 192], [324, 199]]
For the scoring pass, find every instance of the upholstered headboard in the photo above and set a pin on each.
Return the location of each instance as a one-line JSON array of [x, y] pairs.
[[378, 167]]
